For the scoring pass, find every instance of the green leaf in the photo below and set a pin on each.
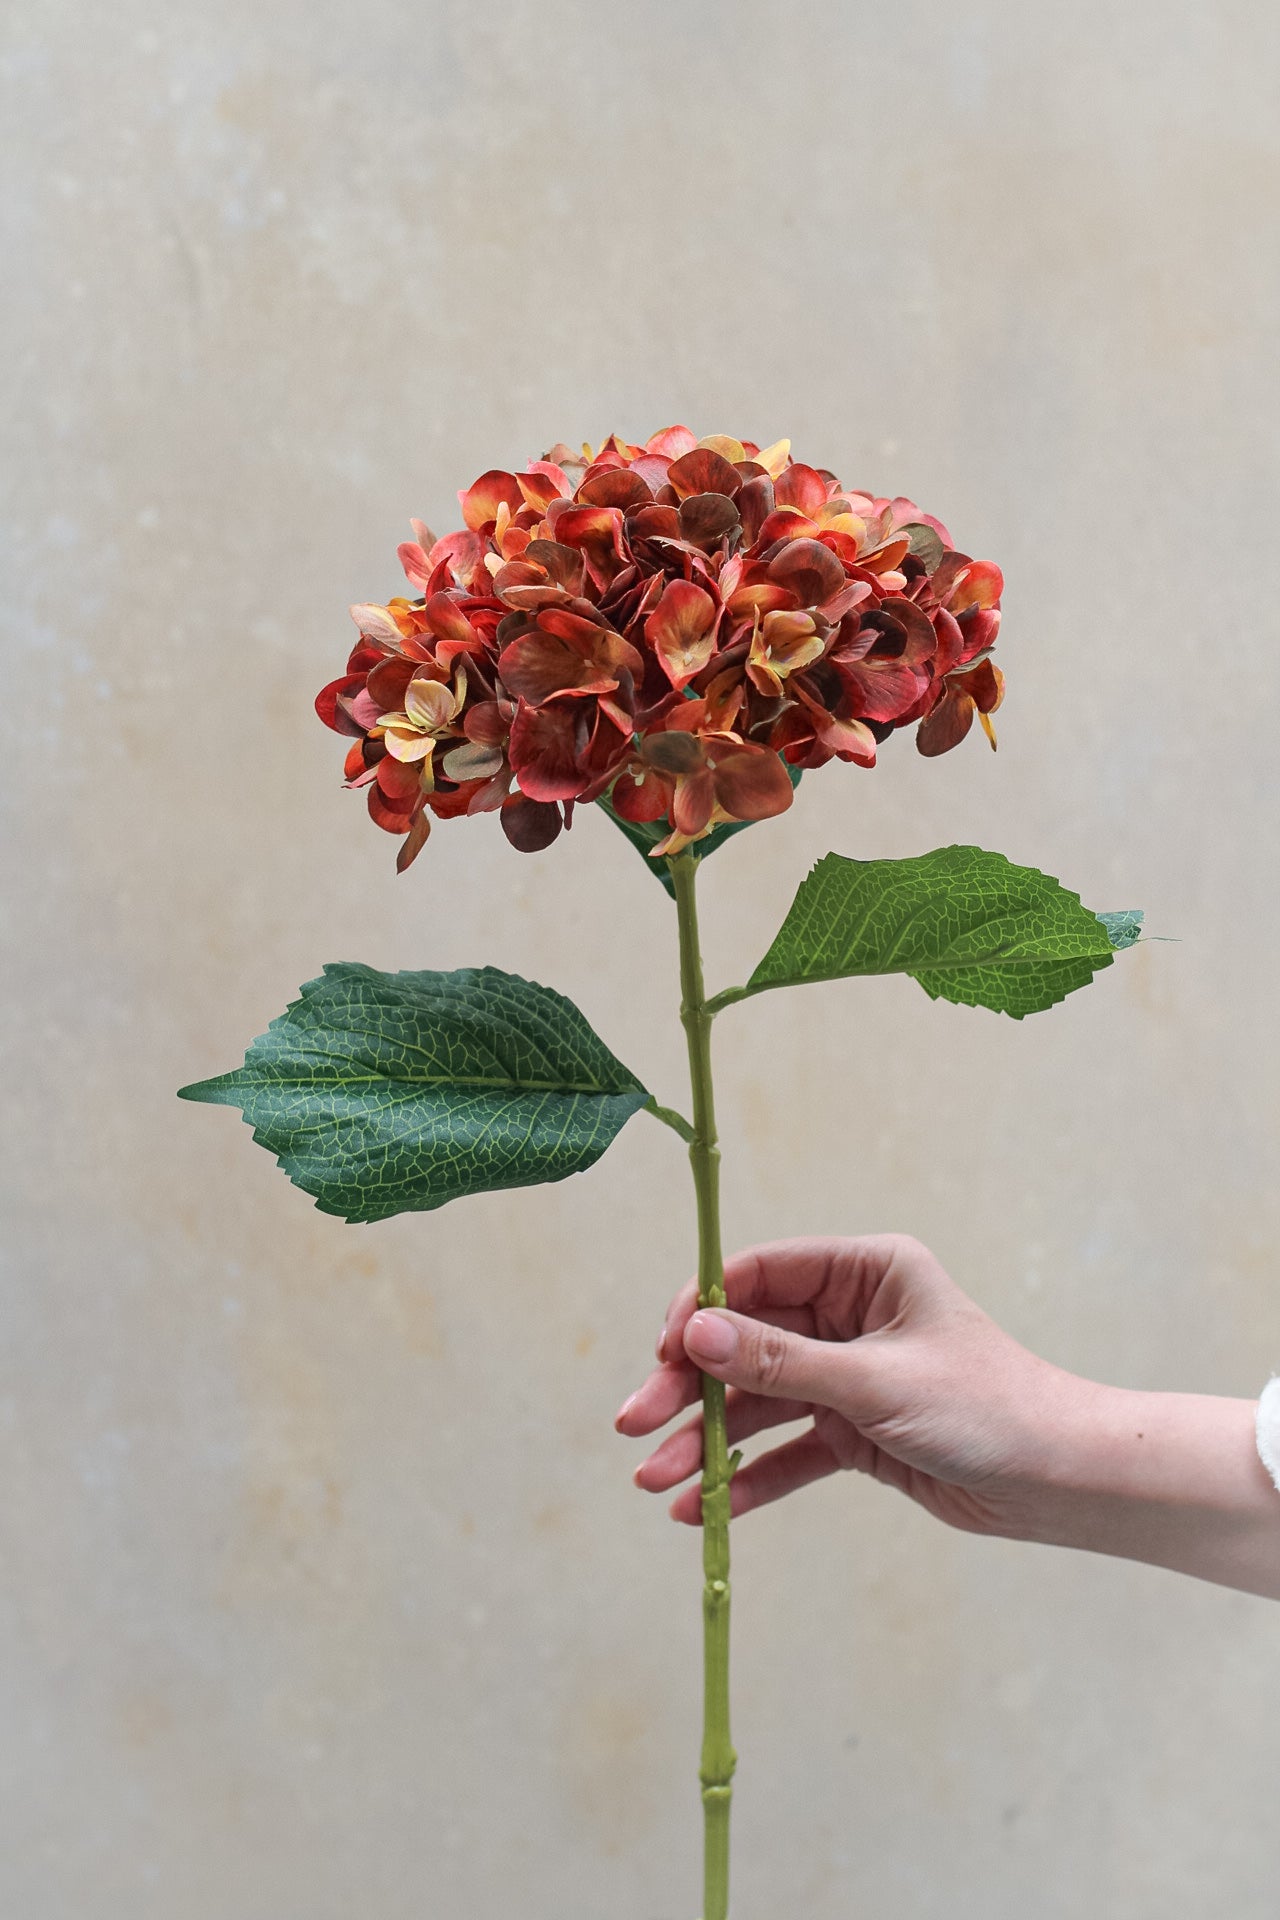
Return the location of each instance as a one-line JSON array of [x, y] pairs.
[[1123, 929], [384, 1093], [968, 925], [645, 835]]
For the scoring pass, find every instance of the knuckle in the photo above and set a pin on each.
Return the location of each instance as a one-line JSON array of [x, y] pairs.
[[771, 1356]]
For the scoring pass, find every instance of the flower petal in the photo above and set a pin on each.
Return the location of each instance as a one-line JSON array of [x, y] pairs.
[[751, 783], [641, 794], [615, 487], [809, 570], [530, 825], [390, 819], [801, 487], [484, 496], [597, 533], [681, 630], [672, 442], [429, 703], [946, 726], [725, 445], [706, 518], [387, 683], [773, 459], [376, 623], [694, 801], [333, 703], [703, 471], [408, 746], [415, 841], [472, 761], [980, 585]]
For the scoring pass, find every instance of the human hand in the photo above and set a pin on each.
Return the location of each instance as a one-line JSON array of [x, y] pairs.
[[898, 1372]]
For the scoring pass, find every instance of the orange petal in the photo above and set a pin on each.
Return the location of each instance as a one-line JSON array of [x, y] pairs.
[[482, 499], [980, 585]]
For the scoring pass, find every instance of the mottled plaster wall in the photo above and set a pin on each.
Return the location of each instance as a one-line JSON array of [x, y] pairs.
[[324, 1589]]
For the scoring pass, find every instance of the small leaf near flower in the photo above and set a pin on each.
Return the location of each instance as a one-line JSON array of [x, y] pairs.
[[385, 1093]]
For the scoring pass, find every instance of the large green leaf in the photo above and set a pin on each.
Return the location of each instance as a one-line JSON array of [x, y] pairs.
[[644, 836], [968, 925], [386, 1093]]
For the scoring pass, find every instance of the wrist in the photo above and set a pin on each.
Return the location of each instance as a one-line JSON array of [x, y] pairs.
[[1170, 1478]]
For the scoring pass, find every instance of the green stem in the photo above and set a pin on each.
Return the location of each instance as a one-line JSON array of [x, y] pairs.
[[718, 1757], [670, 1118]]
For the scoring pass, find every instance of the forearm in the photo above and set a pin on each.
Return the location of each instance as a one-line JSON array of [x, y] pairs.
[[1170, 1478]]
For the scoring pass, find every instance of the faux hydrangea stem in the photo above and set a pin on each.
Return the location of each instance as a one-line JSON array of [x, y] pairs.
[[718, 1757]]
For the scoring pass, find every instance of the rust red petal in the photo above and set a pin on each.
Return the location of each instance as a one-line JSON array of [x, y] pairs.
[[809, 570], [641, 796], [530, 825], [751, 783], [801, 487], [390, 819], [415, 840], [694, 801], [755, 503], [706, 518], [882, 689], [946, 726], [703, 471], [400, 782], [681, 630], [547, 743], [539, 666], [615, 487], [387, 683], [330, 709], [563, 565], [597, 532]]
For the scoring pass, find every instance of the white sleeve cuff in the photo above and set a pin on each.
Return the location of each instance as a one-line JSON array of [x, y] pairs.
[[1268, 1428]]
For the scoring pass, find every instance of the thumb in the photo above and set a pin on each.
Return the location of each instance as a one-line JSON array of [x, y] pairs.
[[761, 1358]]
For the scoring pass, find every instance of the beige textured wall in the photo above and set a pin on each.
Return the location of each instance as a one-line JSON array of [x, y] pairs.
[[324, 1589]]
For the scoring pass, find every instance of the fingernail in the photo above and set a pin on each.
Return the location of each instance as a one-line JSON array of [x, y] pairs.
[[712, 1336], [662, 1344], [625, 1409]]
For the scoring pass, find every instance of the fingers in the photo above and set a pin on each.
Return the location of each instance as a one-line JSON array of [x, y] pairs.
[[667, 1392], [848, 1286], [773, 1361], [681, 1452], [796, 1463], [676, 1385], [783, 1273]]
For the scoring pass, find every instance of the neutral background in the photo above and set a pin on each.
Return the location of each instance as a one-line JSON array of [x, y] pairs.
[[325, 1591]]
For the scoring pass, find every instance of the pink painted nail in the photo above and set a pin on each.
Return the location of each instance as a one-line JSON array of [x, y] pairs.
[[625, 1409]]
